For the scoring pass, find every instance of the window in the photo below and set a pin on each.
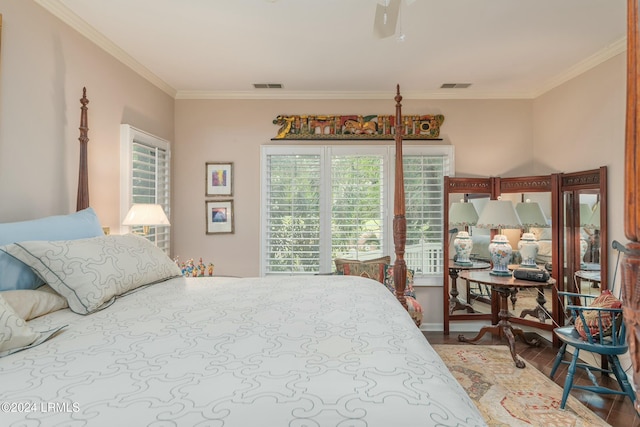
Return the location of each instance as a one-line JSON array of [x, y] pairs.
[[322, 203], [145, 161]]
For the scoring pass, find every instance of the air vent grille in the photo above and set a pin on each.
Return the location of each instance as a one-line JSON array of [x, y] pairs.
[[267, 85], [455, 85]]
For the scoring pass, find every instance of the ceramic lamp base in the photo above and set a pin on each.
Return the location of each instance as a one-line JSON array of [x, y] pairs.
[[500, 251], [464, 263], [463, 246]]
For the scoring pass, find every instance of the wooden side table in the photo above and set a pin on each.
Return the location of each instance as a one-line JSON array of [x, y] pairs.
[[504, 287], [454, 271]]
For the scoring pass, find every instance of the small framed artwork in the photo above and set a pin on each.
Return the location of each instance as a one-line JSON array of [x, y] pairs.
[[219, 179], [219, 216]]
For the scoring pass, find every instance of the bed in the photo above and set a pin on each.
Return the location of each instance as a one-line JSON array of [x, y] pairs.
[[116, 335]]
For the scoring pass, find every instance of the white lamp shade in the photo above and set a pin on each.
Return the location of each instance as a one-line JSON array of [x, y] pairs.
[[499, 214], [462, 214], [531, 215], [146, 214]]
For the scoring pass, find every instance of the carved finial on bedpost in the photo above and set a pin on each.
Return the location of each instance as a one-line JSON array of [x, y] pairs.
[[399, 219], [82, 201]]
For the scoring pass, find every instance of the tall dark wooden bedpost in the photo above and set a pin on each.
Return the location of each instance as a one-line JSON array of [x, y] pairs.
[[399, 219], [631, 260], [82, 201]]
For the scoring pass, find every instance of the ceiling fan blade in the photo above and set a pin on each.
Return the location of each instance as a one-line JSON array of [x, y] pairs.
[[386, 19]]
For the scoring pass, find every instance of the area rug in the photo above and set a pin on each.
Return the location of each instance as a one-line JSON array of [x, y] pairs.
[[508, 396]]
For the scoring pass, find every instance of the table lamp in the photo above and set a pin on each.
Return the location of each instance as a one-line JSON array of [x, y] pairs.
[[463, 214], [531, 215], [499, 214], [145, 215]]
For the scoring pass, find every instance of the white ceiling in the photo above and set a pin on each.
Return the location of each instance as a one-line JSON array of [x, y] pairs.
[[327, 49]]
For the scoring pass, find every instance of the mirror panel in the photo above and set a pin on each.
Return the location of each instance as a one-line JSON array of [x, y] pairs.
[[584, 262], [585, 253], [531, 306], [461, 302], [571, 250]]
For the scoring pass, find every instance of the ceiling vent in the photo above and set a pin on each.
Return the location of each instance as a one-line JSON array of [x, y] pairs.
[[267, 85], [455, 85]]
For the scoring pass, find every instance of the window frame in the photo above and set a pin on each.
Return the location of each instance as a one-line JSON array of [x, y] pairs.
[[325, 152], [128, 136]]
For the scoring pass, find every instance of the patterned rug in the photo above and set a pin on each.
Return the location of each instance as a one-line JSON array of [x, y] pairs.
[[508, 396]]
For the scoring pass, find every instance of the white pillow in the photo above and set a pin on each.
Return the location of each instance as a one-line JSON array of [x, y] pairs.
[[31, 303], [15, 334], [90, 273]]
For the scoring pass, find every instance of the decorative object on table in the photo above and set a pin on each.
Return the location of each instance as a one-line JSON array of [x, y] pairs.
[[219, 179], [356, 126], [219, 216], [146, 215], [531, 215], [463, 214], [499, 214], [534, 274], [191, 269]]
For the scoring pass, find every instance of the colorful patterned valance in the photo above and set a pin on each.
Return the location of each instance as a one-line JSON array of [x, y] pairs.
[[356, 127]]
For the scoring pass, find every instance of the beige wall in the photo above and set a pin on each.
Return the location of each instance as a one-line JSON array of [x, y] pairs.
[[44, 66], [580, 126], [485, 134], [577, 126]]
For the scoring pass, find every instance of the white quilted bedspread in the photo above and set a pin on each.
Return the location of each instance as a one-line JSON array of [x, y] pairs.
[[319, 351]]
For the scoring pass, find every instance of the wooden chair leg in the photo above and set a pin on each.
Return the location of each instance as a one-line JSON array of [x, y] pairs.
[[568, 382], [622, 378], [558, 360]]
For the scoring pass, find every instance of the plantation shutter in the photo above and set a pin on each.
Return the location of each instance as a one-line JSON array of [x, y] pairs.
[[150, 184], [357, 213], [424, 183], [292, 209]]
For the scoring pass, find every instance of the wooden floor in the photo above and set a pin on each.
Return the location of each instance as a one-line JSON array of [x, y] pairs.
[[615, 409]]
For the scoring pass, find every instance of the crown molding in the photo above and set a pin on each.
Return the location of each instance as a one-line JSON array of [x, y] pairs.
[[615, 48], [74, 21], [284, 94]]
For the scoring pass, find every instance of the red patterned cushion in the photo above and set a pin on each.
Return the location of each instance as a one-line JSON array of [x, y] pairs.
[[373, 268], [604, 300], [415, 310], [389, 282]]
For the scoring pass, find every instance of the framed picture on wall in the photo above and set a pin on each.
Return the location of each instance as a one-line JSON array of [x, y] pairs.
[[219, 216], [219, 179]]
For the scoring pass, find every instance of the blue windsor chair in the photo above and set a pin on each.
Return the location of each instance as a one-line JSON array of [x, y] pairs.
[[603, 333]]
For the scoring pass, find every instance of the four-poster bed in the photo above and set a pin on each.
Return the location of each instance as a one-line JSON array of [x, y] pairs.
[[155, 348]]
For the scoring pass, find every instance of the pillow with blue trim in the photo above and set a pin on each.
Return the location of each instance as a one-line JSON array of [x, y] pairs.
[[91, 273], [16, 275]]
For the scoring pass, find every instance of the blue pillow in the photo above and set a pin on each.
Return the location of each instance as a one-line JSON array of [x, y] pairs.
[[16, 275]]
